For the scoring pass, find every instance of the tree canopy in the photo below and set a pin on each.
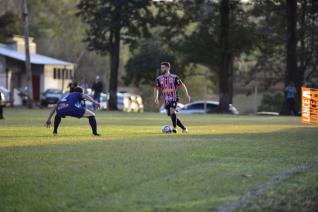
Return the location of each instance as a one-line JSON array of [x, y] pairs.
[[111, 22]]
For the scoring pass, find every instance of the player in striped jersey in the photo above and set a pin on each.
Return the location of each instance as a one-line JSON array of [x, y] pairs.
[[168, 83]]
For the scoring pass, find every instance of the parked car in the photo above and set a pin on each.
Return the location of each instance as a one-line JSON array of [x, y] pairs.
[[128, 102], [51, 96], [102, 101], [163, 110], [2, 99], [198, 107], [5, 95]]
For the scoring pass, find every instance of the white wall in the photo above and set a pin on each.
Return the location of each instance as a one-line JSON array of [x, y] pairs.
[[2, 72], [50, 82]]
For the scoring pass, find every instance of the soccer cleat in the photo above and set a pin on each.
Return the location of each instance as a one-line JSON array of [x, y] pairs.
[[174, 130], [54, 133], [185, 130], [96, 134]]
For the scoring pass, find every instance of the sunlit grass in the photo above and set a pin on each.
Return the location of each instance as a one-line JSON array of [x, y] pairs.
[[134, 167]]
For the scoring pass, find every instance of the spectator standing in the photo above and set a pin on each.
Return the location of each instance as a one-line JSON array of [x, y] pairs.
[[97, 87], [1, 106], [291, 92]]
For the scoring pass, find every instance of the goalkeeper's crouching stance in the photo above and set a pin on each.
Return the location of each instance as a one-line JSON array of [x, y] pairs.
[[70, 105]]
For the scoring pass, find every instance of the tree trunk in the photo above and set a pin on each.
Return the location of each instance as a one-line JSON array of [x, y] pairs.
[[114, 63], [225, 73], [291, 74]]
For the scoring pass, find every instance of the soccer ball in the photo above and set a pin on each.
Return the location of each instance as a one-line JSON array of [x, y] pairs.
[[166, 129]]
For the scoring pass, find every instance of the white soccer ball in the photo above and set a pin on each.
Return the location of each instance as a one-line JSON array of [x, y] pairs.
[[166, 129]]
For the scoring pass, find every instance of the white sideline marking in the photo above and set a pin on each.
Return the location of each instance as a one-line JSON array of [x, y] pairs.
[[247, 197]]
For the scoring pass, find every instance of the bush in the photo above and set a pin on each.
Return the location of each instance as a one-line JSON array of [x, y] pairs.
[[272, 102]]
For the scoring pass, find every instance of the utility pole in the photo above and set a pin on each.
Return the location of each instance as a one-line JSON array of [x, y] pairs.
[[63, 77], [27, 53], [255, 95], [206, 75]]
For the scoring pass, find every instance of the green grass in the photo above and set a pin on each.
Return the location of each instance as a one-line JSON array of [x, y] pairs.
[[299, 193], [134, 167]]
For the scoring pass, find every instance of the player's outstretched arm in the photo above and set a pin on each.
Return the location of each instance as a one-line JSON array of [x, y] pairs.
[[156, 95], [186, 92], [48, 122], [88, 98]]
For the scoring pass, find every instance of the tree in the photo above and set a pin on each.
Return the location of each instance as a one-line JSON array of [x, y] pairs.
[[287, 34], [9, 25], [53, 23], [291, 42], [270, 41], [291, 71], [226, 60], [144, 65], [110, 22], [204, 34]]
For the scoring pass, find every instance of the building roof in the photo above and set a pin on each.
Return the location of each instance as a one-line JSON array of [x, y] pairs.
[[35, 58]]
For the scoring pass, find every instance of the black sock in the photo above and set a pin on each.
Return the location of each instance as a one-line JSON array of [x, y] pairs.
[[174, 120], [57, 121], [180, 124], [92, 122]]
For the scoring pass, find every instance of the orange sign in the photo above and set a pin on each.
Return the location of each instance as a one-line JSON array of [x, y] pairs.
[[309, 102]]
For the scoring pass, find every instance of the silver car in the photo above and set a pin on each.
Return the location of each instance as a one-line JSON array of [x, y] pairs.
[[128, 102], [102, 102], [51, 96], [198, 107], [163, 109]]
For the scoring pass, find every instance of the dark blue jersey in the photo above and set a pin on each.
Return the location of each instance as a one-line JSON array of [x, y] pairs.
[[72, 99], [70, 105]]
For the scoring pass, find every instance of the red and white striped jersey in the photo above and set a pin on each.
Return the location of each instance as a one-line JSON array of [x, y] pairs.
[[168, 84]]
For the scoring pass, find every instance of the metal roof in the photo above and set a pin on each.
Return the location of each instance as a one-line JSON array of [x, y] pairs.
[[35, 58]]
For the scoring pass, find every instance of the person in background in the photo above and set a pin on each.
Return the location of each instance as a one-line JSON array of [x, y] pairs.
[[291, 92], [1, 106], [97, 87]]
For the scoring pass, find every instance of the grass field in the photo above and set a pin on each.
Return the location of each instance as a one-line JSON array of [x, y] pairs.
[[134, 167]]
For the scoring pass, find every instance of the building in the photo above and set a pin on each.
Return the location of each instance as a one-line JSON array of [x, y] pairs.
[[47, 72]]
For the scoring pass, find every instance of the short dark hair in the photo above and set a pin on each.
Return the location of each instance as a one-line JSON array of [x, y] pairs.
[[78, 89], [167, 64]]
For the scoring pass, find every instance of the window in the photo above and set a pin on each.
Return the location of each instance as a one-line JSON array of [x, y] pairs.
[[212, 108], [59, 73], [54, 73], [71, 74], [198, 106]]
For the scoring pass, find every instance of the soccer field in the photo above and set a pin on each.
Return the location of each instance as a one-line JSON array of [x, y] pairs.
[[225, 162]]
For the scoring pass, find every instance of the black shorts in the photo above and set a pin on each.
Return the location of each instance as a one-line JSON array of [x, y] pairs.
[[172, 104]]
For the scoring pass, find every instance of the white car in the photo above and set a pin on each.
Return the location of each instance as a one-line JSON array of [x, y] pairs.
[[2, 99], [128, 102], [5, 95], [163, 110], [197, 107], [102, 102]]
